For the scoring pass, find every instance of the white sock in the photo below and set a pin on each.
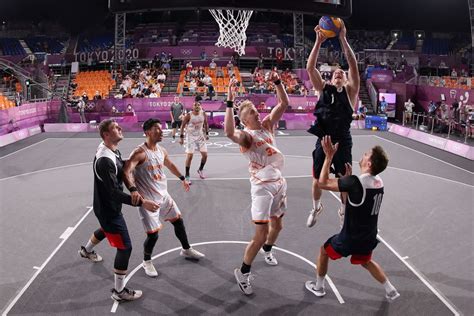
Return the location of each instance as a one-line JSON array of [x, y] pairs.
[[388, 287], [119, 282], [320, 281], [316, 204], [89, 246]]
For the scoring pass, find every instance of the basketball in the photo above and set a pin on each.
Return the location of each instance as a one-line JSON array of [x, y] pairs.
[[330, 26]]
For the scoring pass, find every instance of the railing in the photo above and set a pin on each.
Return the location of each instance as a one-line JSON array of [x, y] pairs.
[[429, 123]]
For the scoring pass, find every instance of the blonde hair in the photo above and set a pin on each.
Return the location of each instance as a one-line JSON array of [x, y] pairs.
[[244, 105]]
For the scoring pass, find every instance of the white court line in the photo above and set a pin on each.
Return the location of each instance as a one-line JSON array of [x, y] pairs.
[[17, 151], [236, 178], [422, 153], [330, 282], [422, 278], [27, 285], [44, 170]]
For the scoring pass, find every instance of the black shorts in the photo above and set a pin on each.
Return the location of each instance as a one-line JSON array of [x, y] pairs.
[[116, 231], [176, 124], [336, 250], [342, 156]]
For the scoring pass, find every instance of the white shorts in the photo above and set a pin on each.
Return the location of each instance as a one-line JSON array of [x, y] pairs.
[[168, 211], [268, 200], [194, 143]]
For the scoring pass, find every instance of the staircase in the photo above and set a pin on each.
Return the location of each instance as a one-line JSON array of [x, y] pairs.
[[364, 96], [171, 83], [25, 47]]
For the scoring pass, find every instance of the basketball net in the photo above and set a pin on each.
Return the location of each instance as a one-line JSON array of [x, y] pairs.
[[232, 27]]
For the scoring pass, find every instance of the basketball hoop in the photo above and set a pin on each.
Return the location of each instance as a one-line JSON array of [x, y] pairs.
[[232, 27]]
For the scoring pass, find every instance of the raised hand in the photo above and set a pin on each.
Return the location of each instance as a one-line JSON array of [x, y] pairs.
[[328, 147], [320, 38], [343, 31]]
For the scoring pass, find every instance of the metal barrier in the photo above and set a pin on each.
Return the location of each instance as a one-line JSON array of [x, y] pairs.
[[428, 122]]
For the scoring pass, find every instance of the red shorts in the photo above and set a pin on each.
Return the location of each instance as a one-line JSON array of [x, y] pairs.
[[355, 258]]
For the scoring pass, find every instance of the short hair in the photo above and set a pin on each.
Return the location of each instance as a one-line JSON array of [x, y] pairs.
[[244, 105], [104, 126], [379, 160], [149, 123]]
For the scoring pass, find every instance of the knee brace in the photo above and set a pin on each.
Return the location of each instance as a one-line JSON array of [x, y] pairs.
[[121, 259], [150, 242]]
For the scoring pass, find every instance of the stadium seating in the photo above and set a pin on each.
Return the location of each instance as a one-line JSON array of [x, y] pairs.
[[220, 84], [5, 103], [11, 47], [92, 81]]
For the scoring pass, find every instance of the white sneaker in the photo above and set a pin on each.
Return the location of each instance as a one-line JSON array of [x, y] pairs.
[[341, 212], [313, 216], [270, 258], [149, 268], [243, 281], [392, 296], [191, 253], [126, 295], [311, 286], [92, 256]]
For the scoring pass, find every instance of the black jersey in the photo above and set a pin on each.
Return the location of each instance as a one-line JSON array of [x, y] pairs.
[[108, 183], [359, 232], [333, 113]]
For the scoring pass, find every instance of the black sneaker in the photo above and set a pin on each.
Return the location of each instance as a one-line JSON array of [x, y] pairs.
[[92, 256]]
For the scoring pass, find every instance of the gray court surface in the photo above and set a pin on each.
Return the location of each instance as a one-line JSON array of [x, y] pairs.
[[426, 234]]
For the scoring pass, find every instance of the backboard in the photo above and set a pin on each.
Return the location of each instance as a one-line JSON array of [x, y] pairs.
[[340, 8]]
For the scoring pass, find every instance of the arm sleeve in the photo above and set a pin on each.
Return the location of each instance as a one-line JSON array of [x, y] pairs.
[[351, 185], [106, 170]]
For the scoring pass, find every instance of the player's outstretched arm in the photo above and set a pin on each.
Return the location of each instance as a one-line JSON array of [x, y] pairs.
[[186, 119], [330, 149], [237, 136], [174, 170], [353, 84], [314, 75], [136, 158], [283, 101]]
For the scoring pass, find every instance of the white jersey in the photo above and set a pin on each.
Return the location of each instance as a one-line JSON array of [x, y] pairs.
[[195, 125], [265, 160], [149, 176]]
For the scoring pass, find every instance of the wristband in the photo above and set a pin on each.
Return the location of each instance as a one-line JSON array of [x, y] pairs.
[[207, 133], [181, 136], [277, 82], [132, 189], [230, 104], [181, 178]]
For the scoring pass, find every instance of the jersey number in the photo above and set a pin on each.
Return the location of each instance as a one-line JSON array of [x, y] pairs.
[[270, 151], [377, 203]]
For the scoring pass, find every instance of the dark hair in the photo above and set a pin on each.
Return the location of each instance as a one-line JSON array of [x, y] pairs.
[[198, 98], [104, 126], [149, 123], [379, 160]]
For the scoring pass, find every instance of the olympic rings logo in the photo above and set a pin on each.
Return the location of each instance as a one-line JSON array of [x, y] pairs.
[[186, 51]]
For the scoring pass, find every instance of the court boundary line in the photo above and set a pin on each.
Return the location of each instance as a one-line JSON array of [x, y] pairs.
[[419, 275], [116, 304], [43, 265], [422, 153], [236, 178], [21, 149]]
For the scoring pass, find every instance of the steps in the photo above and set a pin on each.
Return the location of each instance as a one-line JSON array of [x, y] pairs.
[[364, 96], [25, 47]]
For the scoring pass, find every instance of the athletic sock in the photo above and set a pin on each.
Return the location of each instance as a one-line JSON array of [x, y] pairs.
[[316, 204], [202, 165], [267, 248], [89, 246], [119, 282], [320, 281], [388, 287], [187, 171], [245, 268], [146, 257]]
